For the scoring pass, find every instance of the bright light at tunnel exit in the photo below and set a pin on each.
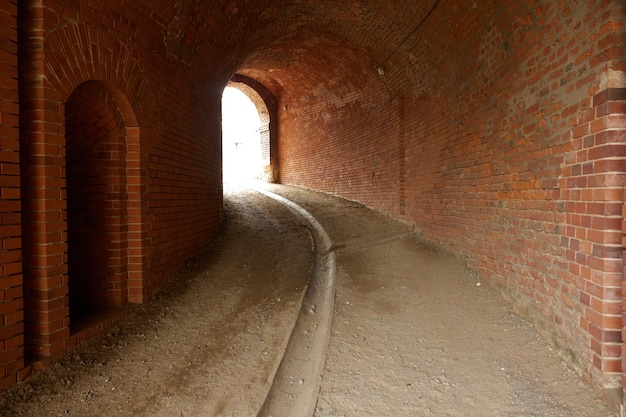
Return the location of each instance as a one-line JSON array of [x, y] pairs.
[[241, 142]]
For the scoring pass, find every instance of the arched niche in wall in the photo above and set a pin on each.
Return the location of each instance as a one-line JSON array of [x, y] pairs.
[[100, 128]]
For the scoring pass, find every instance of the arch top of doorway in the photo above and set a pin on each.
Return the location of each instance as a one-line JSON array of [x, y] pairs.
[[111, 96], [265, 93], [122, 74]]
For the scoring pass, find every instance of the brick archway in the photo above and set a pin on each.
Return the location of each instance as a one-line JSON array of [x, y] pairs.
[[43, 132], [99, 128], [265, 104]]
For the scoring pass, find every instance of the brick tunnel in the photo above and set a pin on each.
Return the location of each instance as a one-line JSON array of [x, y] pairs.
[[494, 128]]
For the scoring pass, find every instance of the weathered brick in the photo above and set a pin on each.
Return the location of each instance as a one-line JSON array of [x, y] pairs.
[[475, 134]]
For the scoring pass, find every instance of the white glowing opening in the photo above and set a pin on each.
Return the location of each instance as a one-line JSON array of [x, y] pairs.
[[241, 141]]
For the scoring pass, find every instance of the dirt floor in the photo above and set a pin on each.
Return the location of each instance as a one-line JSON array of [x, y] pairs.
[[414, 333]]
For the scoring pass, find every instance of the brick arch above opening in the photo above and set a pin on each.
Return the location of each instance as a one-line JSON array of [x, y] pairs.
[[72, 60], [107, 107], [255, 98]]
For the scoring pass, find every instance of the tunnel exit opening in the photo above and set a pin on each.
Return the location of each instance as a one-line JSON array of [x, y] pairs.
[[245, 136]]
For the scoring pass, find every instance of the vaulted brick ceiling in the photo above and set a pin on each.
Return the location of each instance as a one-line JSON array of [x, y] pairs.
[[292, 44], [311, 42]]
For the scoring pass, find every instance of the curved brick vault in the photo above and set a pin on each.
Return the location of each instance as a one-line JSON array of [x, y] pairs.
[[495, 127]]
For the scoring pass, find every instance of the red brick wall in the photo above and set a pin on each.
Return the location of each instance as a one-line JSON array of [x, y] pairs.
[[173, 147], [114, 119], [476, 135], [11, 300], [339, 130], [491, 126]]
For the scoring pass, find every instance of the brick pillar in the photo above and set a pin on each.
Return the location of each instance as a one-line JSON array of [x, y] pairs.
[[43, 195], [593, 190], [402, 162], [11, 301], [136, 177], [612, 103]]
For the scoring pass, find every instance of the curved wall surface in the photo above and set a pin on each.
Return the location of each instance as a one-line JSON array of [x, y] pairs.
[[496, 128]]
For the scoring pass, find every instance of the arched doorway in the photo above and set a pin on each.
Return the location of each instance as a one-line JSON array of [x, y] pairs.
[[99, 127], [246, 104]]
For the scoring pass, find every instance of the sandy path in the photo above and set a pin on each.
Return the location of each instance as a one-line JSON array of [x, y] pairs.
[[413, 334], [416, 334], [207, 345]]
